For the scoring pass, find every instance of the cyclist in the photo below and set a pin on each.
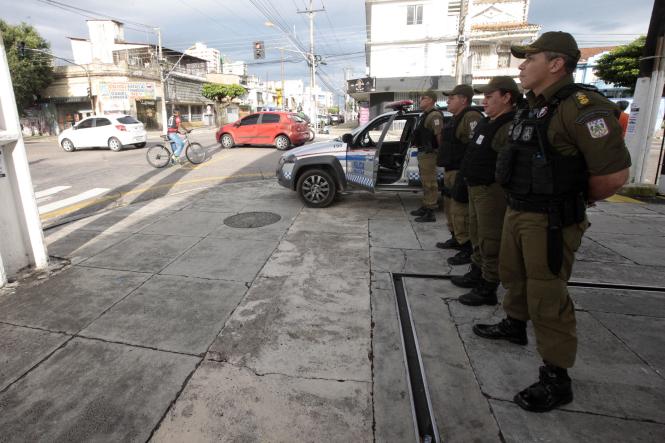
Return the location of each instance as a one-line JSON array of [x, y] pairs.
[[172, 131]]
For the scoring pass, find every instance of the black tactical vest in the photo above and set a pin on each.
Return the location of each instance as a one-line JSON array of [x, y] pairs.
[[452, 149], [423, 137], [479, 163], [533, 173]]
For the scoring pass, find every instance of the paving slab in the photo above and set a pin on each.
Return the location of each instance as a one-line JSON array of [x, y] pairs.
[[226, 403], [619, 301], [396, 234], [450, 376], [78, 245], [641, 249], [617, 224], [22, 348], [625, 274], [132, 218], [429, 234], [70, 300], [624, 208], [591, 250], [413, 261], [321, 220], [93, 391], [223, 259], [187, 222], [643, 335], [142, 253], [319, 254], [301, 325], [393, 415], [170, 313], [518, 425]]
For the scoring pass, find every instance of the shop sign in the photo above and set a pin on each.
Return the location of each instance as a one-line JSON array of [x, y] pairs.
[[127, 90]]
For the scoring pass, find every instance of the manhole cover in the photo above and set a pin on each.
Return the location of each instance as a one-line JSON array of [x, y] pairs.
[[252, 219]]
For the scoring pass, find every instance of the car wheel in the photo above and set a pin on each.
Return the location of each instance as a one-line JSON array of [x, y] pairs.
[[114, 144], [312, 135], [140, 145], [316, 188], [282, 142], [227, 141], [67, 145]]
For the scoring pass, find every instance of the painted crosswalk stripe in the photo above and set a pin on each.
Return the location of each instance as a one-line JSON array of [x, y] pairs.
[[50, 191], [72, 200]]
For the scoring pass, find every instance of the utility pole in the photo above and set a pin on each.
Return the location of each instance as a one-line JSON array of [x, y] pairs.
[[161, 79], [281, 69], [462, 44], [312, 65], [647, 96]]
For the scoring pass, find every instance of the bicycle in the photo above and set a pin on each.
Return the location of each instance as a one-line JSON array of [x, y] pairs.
[[159, 156]]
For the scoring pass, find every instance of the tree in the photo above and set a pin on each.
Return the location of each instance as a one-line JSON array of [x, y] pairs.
[[333, 110], [31, 72], [621, 65], [222, 93]]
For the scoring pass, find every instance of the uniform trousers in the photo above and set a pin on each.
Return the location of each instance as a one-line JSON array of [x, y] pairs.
[[427, 168], [534, 292], [457, 214], [487, 208]]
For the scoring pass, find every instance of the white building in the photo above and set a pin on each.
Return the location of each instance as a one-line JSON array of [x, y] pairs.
[[210, 55], [234, 68], [413, 45]]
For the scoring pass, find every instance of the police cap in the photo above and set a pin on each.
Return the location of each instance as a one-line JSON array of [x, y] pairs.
[[431, 94], [463, 90], [554, 41], [501, 82]]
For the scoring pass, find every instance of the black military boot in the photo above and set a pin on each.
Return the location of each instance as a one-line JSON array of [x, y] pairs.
[[419, 212], [509, 329], [469, 280], [427, 217], [463, 257], [483, 294], [552, 389], [451, 243]]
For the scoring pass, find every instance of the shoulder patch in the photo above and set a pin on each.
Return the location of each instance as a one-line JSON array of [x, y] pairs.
[[597, 128], [472, 125]]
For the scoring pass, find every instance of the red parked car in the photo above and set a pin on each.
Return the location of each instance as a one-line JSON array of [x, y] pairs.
[[280, 129]]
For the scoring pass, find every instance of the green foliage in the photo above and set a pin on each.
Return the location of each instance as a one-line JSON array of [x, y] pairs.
[[32, 72], [621, 65], [221, 93], [333, 110]]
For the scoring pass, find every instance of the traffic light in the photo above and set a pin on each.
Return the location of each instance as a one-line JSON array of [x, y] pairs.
[[259, 50]]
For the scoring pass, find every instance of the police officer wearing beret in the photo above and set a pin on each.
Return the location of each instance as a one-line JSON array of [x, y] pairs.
[[456, 136], [487, 199], [566, 150], [427, 137]]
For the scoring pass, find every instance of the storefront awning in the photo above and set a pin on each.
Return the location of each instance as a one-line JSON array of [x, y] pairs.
[[81, 99]]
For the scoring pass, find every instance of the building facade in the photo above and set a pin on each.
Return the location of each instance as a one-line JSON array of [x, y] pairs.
[[212, 57]]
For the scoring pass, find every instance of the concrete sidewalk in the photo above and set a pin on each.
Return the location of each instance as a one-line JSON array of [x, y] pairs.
[[169, 324]]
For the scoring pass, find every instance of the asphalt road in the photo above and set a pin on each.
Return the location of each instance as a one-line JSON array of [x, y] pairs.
[[74, 185]]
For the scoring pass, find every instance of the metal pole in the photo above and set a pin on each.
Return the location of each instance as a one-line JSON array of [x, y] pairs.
[[162, 80], [312, 71], [281, 59]]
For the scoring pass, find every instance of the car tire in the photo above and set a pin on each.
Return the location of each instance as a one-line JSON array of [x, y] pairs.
[[67, 145], [140, 145], [282, 142], [227, 141], [316, 188], [312, 135], [115, 145]]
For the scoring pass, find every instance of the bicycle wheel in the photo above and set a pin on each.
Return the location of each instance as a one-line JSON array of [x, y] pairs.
[[158, 156], [195, 153]]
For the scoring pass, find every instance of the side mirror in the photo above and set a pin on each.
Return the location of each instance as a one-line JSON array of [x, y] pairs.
[[237, 124], [347, 138]]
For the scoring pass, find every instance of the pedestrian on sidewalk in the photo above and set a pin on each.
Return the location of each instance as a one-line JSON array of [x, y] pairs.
[[456, 135], [566, 150], [427, 138], [487, 199]]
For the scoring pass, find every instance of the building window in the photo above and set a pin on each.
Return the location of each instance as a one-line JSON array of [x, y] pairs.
[[454, 7], [414, 15]]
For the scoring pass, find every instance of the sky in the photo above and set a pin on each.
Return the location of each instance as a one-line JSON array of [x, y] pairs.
[[340, 31]]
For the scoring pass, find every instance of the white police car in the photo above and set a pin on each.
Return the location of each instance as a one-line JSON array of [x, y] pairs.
[[376, 156]]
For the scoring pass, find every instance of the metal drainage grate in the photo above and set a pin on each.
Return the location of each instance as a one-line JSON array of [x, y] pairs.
[[252, 219]]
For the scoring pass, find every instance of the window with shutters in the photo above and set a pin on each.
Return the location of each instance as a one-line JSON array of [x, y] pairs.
[[414, 15]]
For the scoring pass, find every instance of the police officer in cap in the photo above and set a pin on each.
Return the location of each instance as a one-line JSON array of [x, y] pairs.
[[566, 150], [427, 137], [487, 199], [456, 135]]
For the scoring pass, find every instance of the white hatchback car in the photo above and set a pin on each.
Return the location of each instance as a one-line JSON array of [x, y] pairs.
[[114, 131]]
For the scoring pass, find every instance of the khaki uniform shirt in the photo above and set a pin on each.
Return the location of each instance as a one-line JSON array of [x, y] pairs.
[[466, 126], [586, 122], [434, 122]]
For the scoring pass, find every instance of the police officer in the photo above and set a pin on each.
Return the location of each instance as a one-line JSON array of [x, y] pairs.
[[456, 135], [566, 150], [427, 137], [487, 200]]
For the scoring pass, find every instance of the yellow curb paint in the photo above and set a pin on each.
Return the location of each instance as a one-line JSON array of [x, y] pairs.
[[622, 199], [66, 210]]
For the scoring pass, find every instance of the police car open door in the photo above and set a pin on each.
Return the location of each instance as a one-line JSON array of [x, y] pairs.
[[362, 157]]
